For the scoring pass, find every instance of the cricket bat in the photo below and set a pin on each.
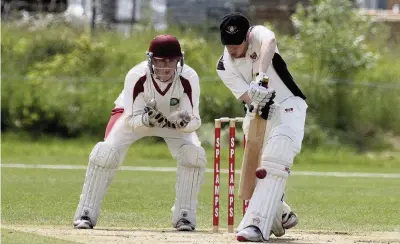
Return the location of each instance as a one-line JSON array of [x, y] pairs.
[[252, 155]]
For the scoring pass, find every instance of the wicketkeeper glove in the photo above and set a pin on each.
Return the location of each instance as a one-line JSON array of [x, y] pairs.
[[178, 120], [152, 117]]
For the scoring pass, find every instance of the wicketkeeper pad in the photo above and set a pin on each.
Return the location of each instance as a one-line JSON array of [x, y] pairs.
[[103, 163], [189, 176]]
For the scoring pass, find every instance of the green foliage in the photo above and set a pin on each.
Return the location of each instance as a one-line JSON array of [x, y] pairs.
[[70, 83], [335, 51], [21, 47], [332, 35], [332, 39]]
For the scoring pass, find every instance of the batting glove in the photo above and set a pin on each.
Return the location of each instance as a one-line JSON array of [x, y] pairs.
[[259, 94], [269, 110]]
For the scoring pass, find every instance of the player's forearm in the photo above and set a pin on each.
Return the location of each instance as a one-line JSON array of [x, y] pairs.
[[192, 126], [134, 114], [133, 109], [134, 122], [245, 98], [266, 54], [128, 100]]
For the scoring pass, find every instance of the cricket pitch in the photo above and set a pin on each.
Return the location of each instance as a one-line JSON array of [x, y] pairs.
[[167, 236]]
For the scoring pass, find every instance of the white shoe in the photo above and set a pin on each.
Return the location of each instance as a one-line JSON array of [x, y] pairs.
[[289, 218], [184, 225], [286, 220], [83, 223], [250, 233]]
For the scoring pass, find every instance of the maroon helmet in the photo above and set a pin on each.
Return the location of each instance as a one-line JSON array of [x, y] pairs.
[[164, 47]]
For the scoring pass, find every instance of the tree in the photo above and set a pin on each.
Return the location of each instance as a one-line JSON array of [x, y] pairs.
[[332, 41]]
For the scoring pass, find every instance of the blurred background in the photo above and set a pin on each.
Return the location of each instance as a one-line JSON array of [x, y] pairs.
[[63, 64]]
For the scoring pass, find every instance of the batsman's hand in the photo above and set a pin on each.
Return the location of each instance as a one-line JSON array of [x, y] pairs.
[[269, 110], [260, 94], [262, 79], [178, 120], [152, 117]]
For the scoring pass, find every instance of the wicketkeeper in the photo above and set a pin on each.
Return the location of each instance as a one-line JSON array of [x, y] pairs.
[[251, 56], [160, 98]]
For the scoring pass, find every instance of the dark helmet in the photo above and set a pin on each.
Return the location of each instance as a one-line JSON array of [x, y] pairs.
[[165, 46]]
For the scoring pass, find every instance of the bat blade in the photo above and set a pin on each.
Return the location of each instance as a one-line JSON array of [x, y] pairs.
[[252, 157]]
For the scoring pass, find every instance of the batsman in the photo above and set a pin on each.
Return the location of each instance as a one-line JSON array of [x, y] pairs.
[[160, 98], [250, 58]]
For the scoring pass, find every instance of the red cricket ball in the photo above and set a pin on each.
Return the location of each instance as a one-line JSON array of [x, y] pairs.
[[261, 173]]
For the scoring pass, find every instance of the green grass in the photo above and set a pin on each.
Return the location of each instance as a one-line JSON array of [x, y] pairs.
[[20, 149], [18, 237], [144, 199]]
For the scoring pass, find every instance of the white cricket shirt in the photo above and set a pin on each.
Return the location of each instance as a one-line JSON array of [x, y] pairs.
[[238, 73]]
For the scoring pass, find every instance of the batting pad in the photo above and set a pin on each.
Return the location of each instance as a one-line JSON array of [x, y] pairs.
[[189, 176], [264, 204], [277, 158], [103, 164]]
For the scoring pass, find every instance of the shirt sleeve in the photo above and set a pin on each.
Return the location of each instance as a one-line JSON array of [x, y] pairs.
[[231, 79], [191, 100], [133, 98], [260, 33], [119, 102]]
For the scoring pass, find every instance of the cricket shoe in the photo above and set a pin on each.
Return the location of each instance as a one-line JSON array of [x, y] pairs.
[[289, 218], [250, 233], [83, 223], [184, 225]]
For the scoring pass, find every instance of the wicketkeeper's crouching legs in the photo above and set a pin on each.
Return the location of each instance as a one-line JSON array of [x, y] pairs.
[[103, 164], [189, 176], [263, 209]]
